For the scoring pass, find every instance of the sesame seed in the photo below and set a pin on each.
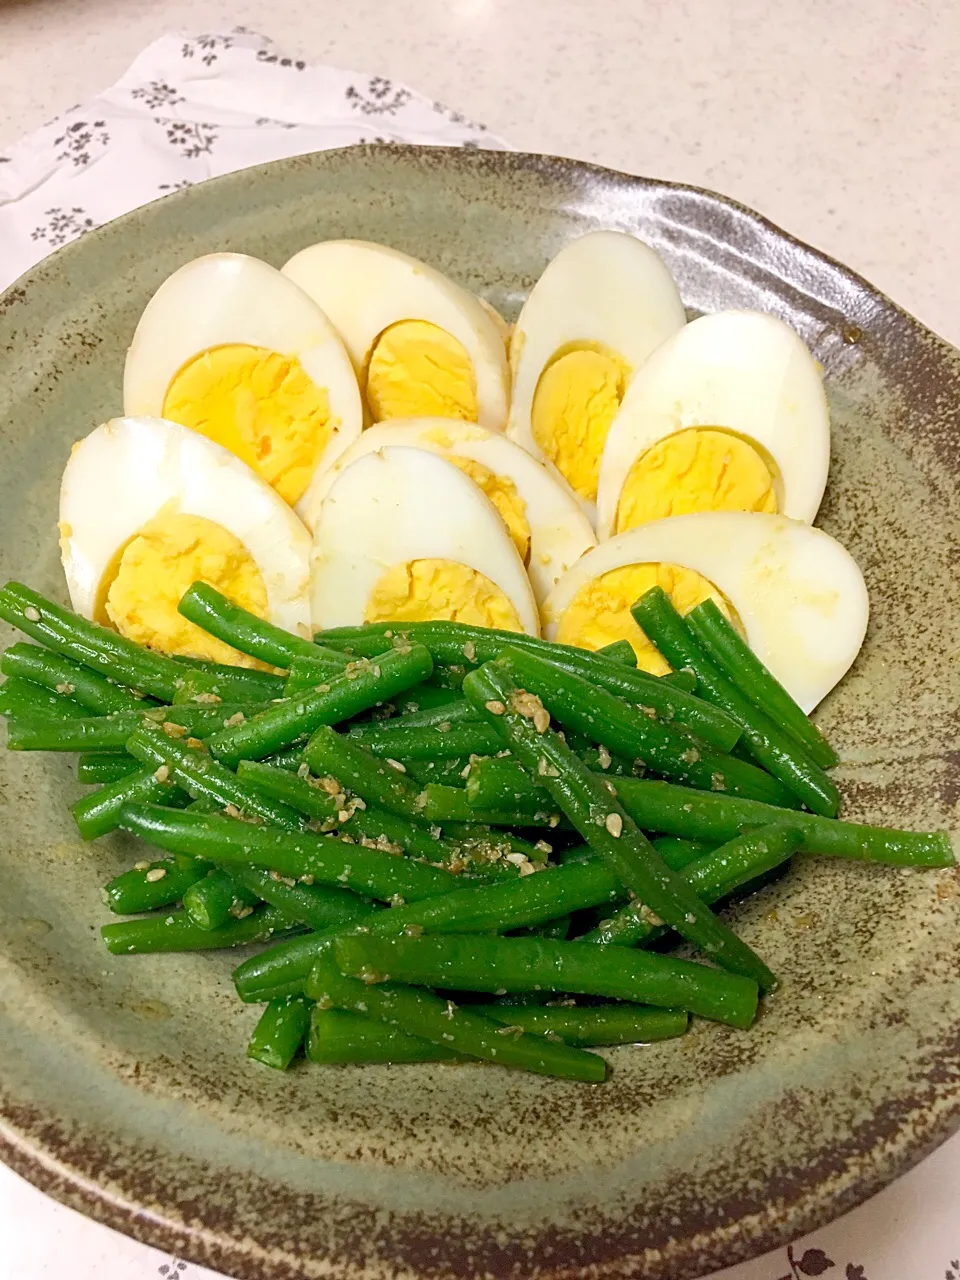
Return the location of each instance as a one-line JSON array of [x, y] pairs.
[[162, 774], [241, 912], [603, 757], [195, 744], [543, 847], [614, 824], [495, 707], [156, 874], [237, 718], [690, 918], [303, 770], [470, 651], [141, 866], [718, 782], [207, 697], [173, 730], [527, 868], [31, 614], [541, 720], [66, 689]]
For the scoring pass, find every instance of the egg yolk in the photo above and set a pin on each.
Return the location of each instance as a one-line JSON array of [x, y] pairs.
[[261, 406], [600, 611], [697, 470], [418, 370], [440, 590], [502, 492], [156, 567], [576, 400]]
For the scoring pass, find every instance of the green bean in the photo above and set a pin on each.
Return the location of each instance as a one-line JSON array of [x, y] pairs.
[[106, 766], [445, 773], [316, 906], [723, 645], [452, 804], [592, 1028], [110, 732], [307, 673], [331, 754], [768, 745], [325, 858], [205, 607], [476, 963], [446, 716], [559, 928], [142, 889], [369, 823], [292, 720], [337, 1036], [283, 969], [24, 703], [193, 769], [621, 727], [667, 696], [712, 876], [390, 741], [69, 678], [619, 651], [677, 853], [281, 1031], [587, 801], [678, 811], [175, 931], [440, 1021], [217, 898], [98, 813]]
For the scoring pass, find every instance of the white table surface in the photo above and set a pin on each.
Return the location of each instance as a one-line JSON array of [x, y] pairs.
[[838, 120]]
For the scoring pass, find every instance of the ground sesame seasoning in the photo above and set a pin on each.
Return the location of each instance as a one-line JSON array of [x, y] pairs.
[[207, 697], [240, 911], [330, 785], [510, 1031], [157, 873], [649, 917], [495, 707], [445, 726], [470, 651], [690, 918], [372, 976], [237, 718], [303, 770], [543, 847], [196, 744], [604, 757], [31, 614], [451, 1008], [614, 824], [690, 756], [526, 868], [173, 730], [162, 774], [66, 689], [718, 782]]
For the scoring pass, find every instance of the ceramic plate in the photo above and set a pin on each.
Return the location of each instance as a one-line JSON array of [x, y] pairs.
[[124, 1089]]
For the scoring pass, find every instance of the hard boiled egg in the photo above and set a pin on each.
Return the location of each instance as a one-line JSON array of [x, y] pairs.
[[548, 529], [404, 536], [797, 594], [729, 414], [422, 345], [594, 316], [147, 507], [234, 350]]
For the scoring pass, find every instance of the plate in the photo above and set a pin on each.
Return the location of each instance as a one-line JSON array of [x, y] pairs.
[[124, 1090]]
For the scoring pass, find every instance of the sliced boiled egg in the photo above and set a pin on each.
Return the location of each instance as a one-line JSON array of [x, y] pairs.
[[147, 507], [405, 536], [594, 316], [729, 414], [422, 346], [234, 350], [548, 529], [796, 593]]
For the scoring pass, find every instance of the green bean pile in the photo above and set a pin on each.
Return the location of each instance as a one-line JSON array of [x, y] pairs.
[[459, 844]]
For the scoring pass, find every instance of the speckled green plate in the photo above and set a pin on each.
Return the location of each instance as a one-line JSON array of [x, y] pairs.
[[124, 1090]]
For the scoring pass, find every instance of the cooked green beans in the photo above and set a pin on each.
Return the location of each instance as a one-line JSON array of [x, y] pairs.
[[25, 703], [216, 899], [621, 727], [281, 1031], [619, 651], [69, 678], [473, 963], [106, 766], [776, 751], [587, 801], [239, 684], [110, 732], [394, 741], [315, 906], [423, 1014], [331, 754], [697, 815], [153, 884], [592, 1028], [175, 931], [724, 646], [358, 687], [453, 804], [337, 1035], [98, 813], [193, 769]]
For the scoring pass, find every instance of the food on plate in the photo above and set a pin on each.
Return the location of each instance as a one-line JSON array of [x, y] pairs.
[[729, 414], [404, 535], [148, 506], [602, 305], [234, 350], [797, 594], [546, 524], [353, 744], [422, 345]]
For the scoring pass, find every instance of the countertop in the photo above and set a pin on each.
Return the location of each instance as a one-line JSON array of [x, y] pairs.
[[838, 121]]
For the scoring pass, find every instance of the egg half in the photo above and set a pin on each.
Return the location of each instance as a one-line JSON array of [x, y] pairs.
[[548, 529], [404, 536], [234, 350], [797, 594], [422, 346], [592, 319], [729, 414], [147, 507]]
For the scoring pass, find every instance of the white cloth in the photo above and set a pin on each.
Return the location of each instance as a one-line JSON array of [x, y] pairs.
[[192, 108]]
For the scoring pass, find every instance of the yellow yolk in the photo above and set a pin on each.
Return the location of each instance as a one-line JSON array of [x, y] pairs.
[[417, 370], [600, 611], [155, 569], [576, 400], [502, 492], [440, 590], [697, 470], [261, 406]]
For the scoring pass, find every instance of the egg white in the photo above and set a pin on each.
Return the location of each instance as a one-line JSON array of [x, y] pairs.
[[365, 288], [129, 469], [799, 594], [400, 504], [230, 298], [741, 371]]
